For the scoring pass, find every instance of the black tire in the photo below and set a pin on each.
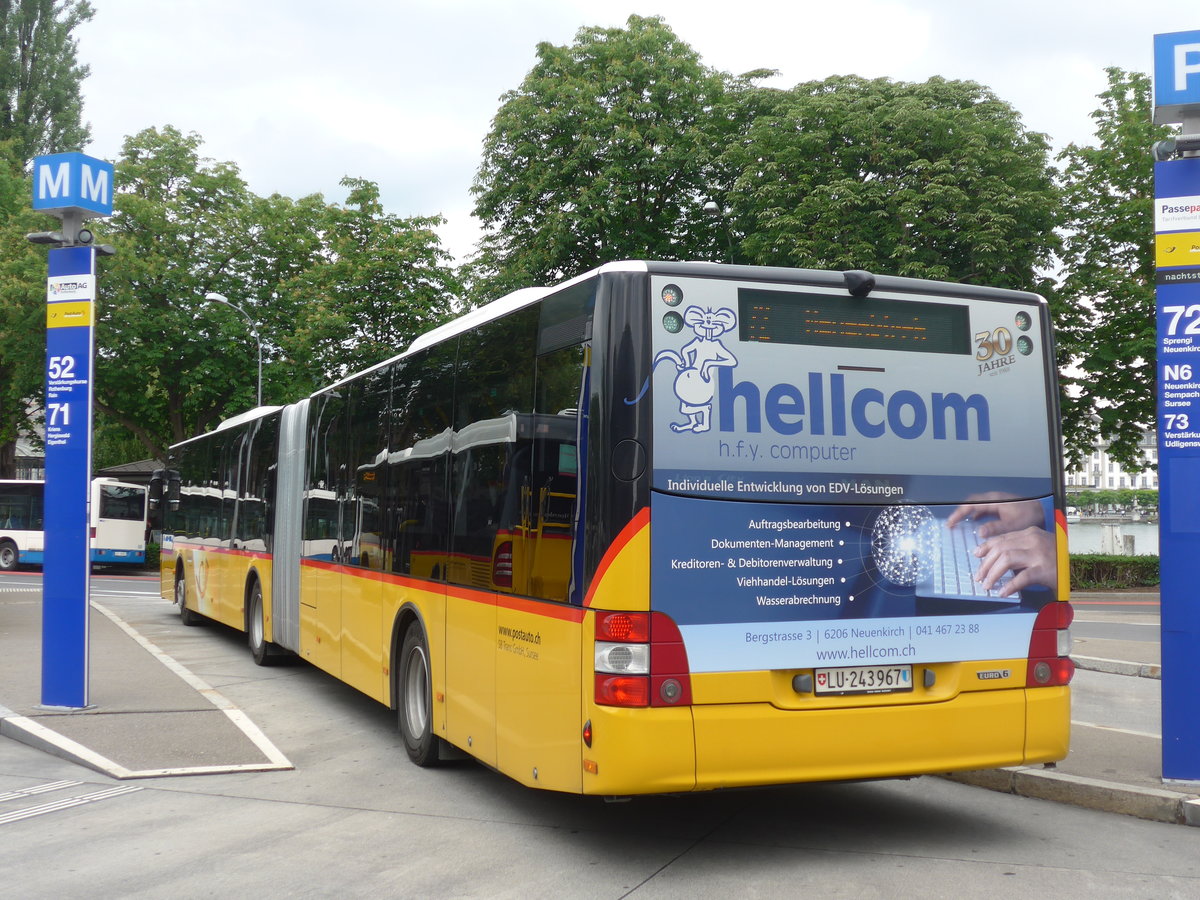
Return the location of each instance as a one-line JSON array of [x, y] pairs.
[[186, 616], [415, 700], [264, 652], [8, 556]]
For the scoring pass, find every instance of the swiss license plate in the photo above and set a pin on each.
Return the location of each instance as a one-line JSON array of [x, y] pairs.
[[863, 680]]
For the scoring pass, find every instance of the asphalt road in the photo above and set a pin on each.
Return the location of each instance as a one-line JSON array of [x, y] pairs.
[[355, 819]]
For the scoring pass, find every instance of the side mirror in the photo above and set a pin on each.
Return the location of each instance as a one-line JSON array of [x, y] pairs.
[[156, 489], [173, 481]]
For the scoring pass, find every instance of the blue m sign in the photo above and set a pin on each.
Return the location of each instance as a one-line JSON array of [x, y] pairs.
[[72, 181]]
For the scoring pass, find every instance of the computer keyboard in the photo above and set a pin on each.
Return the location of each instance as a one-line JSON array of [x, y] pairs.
[[955, 566]]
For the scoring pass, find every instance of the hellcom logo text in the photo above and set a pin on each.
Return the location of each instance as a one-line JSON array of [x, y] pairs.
[[829, 407]]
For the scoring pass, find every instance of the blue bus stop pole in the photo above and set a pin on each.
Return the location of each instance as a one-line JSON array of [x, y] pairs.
[[73, 188], [1177, 265], [70, 296]]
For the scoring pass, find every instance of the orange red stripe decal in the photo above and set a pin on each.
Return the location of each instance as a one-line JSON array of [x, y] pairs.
[[640, 520]]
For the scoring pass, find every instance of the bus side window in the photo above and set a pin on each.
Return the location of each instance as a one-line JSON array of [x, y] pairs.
[[493, 396], [363, 476], [416, 503], [554, 491]]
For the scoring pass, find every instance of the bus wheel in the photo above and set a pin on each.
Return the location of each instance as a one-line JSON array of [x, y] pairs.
[[416, 700], [8, 556], [264, 652], [185, 615]]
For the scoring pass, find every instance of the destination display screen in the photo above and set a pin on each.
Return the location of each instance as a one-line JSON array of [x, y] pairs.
[[827, 321]]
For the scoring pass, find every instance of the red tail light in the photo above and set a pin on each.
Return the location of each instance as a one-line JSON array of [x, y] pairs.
[[622, 690], [1054, 672], [1049, 646], [625, 627], [640, 661], [502, 565]]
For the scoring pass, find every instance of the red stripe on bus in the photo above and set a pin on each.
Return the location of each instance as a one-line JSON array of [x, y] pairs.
[[628, 533], [223, 551], [552, 609]]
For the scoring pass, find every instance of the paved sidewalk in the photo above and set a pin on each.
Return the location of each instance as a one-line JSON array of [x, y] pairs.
[[1109, 770], [149, 717]]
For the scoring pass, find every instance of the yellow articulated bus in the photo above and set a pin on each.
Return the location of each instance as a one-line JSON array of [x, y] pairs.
[[667, 527]]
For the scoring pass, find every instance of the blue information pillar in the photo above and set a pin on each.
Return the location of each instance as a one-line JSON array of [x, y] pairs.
[[1177, 260], [73, 188], [70, 304]]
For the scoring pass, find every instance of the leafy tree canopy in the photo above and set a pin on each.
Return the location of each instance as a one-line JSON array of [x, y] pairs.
[[41, 78], [932, 180], [40, 112], [604, 152], [328, 290], [22, 307], [385, 280], [1105, 308]]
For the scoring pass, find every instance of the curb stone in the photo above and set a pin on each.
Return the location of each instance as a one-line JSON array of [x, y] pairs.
[[1089, 793], [1118, 667]]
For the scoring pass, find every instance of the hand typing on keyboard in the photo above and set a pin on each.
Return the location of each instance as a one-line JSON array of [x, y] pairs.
[[1030, 553], [1001, 513], [1014, 539]]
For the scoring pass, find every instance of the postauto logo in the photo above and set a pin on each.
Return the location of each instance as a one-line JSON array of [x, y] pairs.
[[830, 407]]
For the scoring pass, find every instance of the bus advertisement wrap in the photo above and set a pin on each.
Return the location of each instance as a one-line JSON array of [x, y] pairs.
[[741, 411], [886, 470], [791, 586]]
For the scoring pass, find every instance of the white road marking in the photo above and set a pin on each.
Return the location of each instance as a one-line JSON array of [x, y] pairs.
[[67, 803], [39, 789], [1118, 730]]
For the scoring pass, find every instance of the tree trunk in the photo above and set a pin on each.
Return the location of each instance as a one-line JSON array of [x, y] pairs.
[[8, 459]]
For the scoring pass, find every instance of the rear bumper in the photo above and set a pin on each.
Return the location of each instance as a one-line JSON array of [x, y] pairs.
[[745, 744]]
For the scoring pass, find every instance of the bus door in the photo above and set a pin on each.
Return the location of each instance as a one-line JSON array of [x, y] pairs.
[[320, 590], [361, 489], [539, 634], [416, 510], [225, 569]]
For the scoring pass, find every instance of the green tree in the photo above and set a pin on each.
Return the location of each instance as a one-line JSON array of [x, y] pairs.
[[40, 112], [935, 180], [329, 289], [168, 364], [22, 308], [604, 152], [1105, 309], [384, 281], [41, 106]]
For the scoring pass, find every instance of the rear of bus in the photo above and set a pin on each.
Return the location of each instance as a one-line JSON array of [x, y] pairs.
[[118, 527], [795, 478], [21, 539]]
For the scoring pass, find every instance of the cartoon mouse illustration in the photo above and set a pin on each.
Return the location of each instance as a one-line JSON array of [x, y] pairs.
[[695, 361]]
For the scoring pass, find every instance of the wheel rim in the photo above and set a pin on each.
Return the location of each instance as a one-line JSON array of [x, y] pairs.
[[8, 557], [256, 622], [416, 692], [180, 592]]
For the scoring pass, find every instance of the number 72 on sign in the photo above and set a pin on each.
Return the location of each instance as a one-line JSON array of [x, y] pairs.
[[1178, 312]]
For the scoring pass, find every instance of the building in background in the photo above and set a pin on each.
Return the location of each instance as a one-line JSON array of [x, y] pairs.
[[1100, 472]]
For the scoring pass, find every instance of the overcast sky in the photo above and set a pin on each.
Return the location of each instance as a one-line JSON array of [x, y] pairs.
[[300, 93]]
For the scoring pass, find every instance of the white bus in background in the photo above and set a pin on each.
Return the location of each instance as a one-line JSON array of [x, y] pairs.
[[117, 521]]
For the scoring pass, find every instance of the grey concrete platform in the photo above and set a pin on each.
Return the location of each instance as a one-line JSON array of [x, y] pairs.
[[146, 716]]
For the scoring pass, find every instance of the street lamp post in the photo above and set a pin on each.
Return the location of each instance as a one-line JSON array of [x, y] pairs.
[[219, 298], [712, 208]]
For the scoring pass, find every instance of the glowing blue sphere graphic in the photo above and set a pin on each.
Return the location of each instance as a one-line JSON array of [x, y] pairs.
[[903, 544]]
